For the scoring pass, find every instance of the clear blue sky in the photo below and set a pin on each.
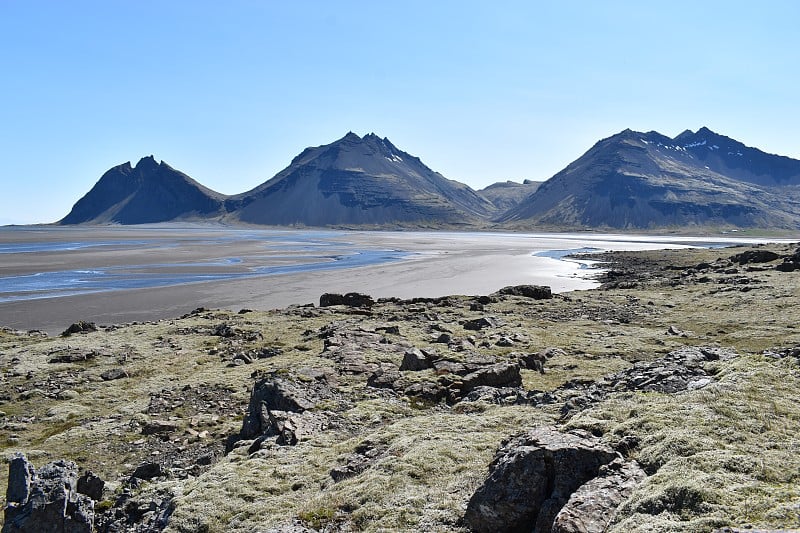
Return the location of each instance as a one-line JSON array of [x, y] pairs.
[[229, 92]]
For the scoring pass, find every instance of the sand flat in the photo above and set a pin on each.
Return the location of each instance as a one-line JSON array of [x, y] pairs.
[[433, 264]]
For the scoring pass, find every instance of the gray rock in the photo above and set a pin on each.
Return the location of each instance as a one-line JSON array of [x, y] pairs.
[[159, 426], [415, 360], [91, 485], [52, 504], [384, 377], [20, 477], [351, 299], [478, 324], [149, 470], [114, 373], [271, 394], [592, 507], [537, 292], [79, 327], [496, 375], [532, 477]]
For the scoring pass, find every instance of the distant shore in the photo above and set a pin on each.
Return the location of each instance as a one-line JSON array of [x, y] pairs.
[[435, 264]]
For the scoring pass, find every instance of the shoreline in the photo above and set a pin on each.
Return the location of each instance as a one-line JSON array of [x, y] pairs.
[[436, 264]]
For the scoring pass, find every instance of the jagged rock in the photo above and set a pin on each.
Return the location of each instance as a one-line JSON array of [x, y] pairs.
[[271, 394], [52, 503], [478, 324], [72, 356], [351, 299], [149, 470], [20, 477], [537, 292], [91, 485], [495, 395], [291, 428], [592, 507], [754, 256], [532, 477], [414, 359], [224, 331], [496, 375], [79, 327]]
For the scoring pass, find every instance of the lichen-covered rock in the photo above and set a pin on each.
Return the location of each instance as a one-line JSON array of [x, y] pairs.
[[415, 360], [592, 507], [47, 500], [532, 477]]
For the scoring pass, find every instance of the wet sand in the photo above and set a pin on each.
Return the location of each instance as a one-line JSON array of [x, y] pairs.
[[437, 264]]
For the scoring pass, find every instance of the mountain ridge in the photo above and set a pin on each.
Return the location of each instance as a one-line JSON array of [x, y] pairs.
[[629, 180]]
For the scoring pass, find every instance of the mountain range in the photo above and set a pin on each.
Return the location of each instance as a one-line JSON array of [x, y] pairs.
[[631, 180]]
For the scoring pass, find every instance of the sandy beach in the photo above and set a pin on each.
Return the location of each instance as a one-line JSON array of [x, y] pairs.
[[432, 264]]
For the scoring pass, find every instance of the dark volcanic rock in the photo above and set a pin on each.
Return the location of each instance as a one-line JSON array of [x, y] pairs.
[[79, 327], [592, 507], [754, 256], [351, 299], [46, 500], [537, 292], [414, 359], [496, 375], [532, 477], [91, 485], [149, 470], [478, 324], [272, 393]]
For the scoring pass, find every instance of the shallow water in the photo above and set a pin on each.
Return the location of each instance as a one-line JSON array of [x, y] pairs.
[[77, 261]]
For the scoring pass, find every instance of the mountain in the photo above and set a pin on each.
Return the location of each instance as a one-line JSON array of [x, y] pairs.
[[505, 195], [639, 180], [149, 192], [359, 181], [732, 158]]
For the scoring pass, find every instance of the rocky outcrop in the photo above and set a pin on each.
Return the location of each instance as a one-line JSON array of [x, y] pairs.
[[351, 299], [46, 500], [536, 292], [531, 479], [279, 408], [678, 371], [592, 508]]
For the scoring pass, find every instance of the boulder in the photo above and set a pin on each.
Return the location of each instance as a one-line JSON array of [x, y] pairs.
[[414, 360], [754, 256], [384, 377], [592, 507], [532, 477], [351, 299], [537, 292], [114, 373], [47, 500], [79, 327], [271, 394], [496, 375], [478, 324], [91, 485], [149, 470]]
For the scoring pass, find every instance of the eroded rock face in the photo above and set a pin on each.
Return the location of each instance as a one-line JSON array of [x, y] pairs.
[[47, 500], [592, 507], [532, 477]]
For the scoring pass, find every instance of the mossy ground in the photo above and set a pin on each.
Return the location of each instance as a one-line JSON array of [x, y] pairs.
[[723, 455]]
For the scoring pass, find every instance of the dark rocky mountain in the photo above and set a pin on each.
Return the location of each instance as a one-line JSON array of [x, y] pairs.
[[359, 181], [733, 159], [507, 194], [647, 180], [149, 192]]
